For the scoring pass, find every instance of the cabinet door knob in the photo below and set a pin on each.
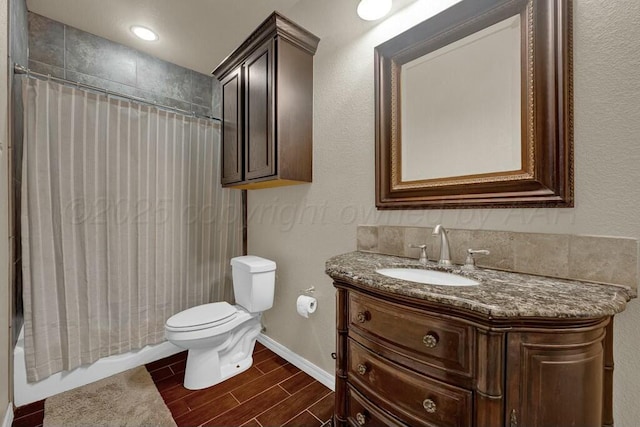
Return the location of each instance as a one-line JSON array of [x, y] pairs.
[[361, 418], [362, 316], [429, 406], [362, 369], [430, 340]]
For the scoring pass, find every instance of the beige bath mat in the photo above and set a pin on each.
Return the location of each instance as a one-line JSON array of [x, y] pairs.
[[126, 399]]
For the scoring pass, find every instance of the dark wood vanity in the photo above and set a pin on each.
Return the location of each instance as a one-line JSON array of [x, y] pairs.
[[404, 360]]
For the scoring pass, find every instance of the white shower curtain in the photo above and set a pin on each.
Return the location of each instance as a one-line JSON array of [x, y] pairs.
[[124, 223]]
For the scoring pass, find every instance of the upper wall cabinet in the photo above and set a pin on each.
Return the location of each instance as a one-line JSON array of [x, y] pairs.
[[267, 107]]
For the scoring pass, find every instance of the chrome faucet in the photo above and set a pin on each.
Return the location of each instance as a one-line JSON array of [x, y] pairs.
[[470, 262], [445, 258]]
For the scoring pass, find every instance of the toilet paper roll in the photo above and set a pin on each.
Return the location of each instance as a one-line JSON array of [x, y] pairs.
[[306, 305]]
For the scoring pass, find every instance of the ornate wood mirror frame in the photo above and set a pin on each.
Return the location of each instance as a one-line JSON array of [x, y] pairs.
[[545, 178]]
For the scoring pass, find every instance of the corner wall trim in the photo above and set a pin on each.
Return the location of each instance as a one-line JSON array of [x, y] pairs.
[[8, 417], [298, 361]]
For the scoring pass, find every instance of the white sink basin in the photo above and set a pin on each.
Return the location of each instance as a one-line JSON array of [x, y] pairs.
[[428, 277]]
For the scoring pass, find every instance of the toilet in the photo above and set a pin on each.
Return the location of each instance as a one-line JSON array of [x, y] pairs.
[[219, 336]]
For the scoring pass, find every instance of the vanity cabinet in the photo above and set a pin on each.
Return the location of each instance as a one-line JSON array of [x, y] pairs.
[[407, 361], [267, 107]]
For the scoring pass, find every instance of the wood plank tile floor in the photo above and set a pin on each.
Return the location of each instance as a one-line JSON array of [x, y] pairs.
[[270, 393]]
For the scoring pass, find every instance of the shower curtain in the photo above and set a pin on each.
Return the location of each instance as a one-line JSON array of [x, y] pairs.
[[124, 223]]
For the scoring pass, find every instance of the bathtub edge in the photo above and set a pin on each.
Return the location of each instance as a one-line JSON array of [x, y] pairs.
[[25, 393]]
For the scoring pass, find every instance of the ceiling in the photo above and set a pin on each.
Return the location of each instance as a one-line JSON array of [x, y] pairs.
[[196, 34]]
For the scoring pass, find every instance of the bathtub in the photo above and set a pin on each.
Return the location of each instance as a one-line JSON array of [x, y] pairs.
[[25, 392]]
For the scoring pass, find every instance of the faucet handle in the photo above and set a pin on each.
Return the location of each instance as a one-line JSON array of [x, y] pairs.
[[423, 252], [470, 262]]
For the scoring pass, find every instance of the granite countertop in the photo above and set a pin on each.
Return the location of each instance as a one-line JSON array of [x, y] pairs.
[[500, 294]]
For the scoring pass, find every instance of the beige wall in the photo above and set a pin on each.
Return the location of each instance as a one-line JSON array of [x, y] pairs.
[[5, 373], [300, 227]]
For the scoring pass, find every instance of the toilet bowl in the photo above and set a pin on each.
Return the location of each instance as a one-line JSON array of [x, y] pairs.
[[220, 337]]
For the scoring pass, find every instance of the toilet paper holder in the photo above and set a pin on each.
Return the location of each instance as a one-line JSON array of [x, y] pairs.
[[308, 291]]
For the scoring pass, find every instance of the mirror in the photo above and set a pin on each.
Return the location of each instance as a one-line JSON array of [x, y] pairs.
[[474, 108]]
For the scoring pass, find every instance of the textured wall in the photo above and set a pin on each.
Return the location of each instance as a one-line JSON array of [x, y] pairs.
[[301, 226], [66, 52]]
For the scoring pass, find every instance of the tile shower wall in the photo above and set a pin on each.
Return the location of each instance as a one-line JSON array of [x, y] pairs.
[[66, 52], [611, 260], [18, 54]]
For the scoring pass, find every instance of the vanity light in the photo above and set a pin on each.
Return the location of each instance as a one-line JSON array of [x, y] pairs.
[[371, 10], [144, 33]]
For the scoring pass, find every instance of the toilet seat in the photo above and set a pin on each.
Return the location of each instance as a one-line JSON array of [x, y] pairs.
[[202, 317]]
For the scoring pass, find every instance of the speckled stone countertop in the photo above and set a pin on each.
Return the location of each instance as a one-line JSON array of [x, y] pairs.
[[500, 294]]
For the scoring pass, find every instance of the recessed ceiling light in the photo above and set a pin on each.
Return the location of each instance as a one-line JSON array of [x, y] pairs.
[[144, 33], [371, 10]]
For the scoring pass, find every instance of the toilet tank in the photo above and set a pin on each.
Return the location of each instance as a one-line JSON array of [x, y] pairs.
[[254, 280]]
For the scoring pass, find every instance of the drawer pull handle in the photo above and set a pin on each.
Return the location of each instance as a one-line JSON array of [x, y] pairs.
[[429, 406], [362, 369], [513, 419], [362, 316], [430, 340], [361, 418]]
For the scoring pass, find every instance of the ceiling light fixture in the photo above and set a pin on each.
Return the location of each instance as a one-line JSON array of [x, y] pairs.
[[372, 10], [144, 33]]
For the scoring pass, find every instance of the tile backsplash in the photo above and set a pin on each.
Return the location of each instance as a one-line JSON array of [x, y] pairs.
[[612, 260]]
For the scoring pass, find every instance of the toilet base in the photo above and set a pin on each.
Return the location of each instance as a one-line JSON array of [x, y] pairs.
[[207, 367], [198, 378]]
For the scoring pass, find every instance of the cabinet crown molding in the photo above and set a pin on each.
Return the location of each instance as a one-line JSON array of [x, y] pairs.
[[276, 25]]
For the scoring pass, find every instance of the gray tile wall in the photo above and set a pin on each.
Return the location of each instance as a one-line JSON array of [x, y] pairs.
[[66, 52], [18, 41], [18, 53], [612, 260]]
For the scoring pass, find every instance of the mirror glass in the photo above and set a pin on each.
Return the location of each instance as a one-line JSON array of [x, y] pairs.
[[440, 92]]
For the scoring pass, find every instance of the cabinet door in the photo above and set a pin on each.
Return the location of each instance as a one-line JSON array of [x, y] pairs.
[[259, 113], [555, 379], [232, 128]]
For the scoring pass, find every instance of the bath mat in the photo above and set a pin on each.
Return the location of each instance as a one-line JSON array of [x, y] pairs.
[[126, 399]]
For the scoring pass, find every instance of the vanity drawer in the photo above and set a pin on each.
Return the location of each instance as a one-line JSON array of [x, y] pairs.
[[361, 412], [414, 398], [443, 343]]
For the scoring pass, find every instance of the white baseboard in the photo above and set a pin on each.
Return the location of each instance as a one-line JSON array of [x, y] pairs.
[[8, 417], [298, 361]]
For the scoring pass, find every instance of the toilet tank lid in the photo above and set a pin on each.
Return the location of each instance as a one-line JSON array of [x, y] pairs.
[[253, 264]]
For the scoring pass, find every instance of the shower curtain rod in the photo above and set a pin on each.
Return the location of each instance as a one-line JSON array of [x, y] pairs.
[[20, 69]]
